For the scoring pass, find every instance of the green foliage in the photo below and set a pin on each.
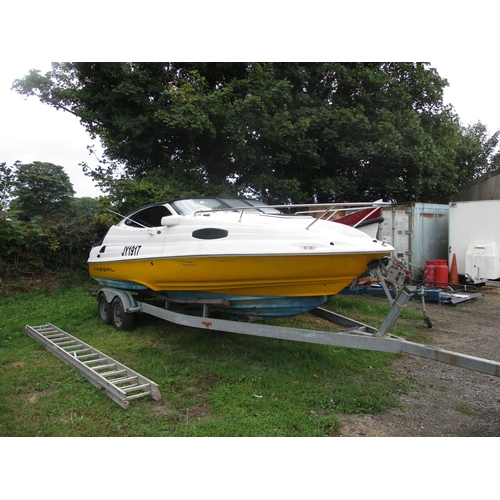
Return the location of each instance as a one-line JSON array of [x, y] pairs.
[[125, 195], [43, 245], [41, 189], [284, 131], [477, 153], [6, 185], [13, 246], [45, 228]]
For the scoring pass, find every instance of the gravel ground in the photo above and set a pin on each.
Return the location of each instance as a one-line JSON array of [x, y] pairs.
[[445, 400]]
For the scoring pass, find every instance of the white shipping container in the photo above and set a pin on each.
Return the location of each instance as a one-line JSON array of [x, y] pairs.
[[418, 232], [474, 235]]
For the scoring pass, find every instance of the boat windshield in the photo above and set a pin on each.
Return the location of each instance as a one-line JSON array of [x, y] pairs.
[[189, 206], [245, 203]]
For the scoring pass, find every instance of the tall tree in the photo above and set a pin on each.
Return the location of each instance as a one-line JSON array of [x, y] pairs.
[[6, 184], [478, 153], [41, 189], [285, 131]]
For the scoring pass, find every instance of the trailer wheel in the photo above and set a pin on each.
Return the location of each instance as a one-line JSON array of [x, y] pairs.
[[104, 308], [121, 319]]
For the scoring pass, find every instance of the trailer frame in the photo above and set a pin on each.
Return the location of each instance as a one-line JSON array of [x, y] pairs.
[[355, 335]]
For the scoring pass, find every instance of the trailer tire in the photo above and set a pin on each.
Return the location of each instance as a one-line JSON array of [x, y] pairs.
[[104, 309], [121, 319]]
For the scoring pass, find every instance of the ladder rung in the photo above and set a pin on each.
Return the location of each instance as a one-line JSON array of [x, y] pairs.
[[123, 380], [102, 367], [135, 388], [76, 353], [56, 336], [71, 346], [93, 361], [109, 374], [85, 356], [67, 345], [137, 396], [49, 329]]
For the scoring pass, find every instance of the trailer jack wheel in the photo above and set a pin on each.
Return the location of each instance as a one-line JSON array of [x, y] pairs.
[[121, 319], [104, 308], [427, 322]]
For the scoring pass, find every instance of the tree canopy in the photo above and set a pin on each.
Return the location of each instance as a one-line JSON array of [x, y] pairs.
[[43, 227], [297, 132], [477, 153], [6, 185], [41, 189]]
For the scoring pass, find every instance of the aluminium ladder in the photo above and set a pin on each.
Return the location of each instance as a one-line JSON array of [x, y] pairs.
[[120, 383]]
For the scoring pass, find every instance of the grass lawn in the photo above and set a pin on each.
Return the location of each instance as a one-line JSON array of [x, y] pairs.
[[212, 383]]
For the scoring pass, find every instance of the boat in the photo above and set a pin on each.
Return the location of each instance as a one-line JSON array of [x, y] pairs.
[[235, 254]]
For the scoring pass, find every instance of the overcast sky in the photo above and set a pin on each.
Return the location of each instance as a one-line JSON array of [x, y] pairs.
[[32, 131]]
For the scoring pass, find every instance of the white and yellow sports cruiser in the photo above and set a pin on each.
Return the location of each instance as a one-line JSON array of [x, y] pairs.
[[252, 258]]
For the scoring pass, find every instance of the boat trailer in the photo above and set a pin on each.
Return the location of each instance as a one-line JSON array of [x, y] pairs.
[[117, 307]]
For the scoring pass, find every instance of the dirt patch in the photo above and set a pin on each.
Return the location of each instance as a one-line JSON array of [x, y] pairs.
[[43, 282], [17, 364], [445, 400]]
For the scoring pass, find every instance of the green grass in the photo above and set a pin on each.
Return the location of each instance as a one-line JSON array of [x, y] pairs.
[[212, 383], [466, 409]]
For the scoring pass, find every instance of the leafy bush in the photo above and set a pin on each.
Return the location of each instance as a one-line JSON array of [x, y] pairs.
[[28, 248]]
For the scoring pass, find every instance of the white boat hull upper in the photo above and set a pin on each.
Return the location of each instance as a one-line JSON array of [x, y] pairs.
[[238, 255]]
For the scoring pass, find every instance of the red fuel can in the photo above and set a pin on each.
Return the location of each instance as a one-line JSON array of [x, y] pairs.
[[441, 273], [430, 273]]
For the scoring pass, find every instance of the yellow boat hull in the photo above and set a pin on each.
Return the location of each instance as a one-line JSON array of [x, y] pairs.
[[262, 275]]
